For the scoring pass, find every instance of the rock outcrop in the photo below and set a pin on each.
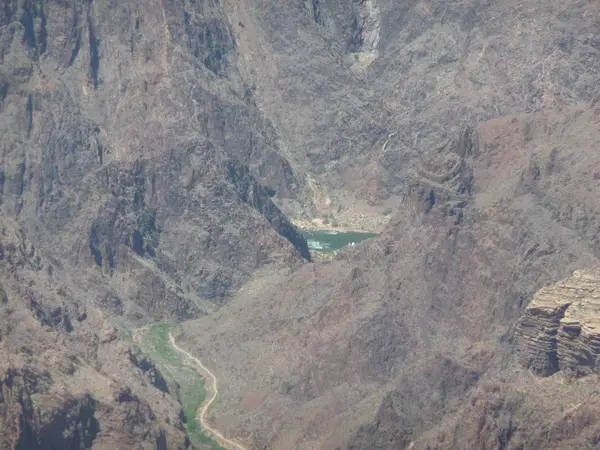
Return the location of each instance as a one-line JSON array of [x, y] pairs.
[[560, 328]]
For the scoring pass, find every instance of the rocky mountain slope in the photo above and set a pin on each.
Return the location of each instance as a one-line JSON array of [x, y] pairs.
[[490, 149], [152, 151], [68, 378], [383, 345], [131, 146], [134, 161]]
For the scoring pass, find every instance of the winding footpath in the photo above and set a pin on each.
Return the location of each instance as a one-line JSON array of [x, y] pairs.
[[226, 442]]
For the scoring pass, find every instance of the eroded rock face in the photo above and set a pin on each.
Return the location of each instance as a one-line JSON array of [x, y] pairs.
[[142, 144], [560, 328]]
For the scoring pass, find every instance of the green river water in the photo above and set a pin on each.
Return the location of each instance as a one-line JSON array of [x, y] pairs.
[[330, 241]]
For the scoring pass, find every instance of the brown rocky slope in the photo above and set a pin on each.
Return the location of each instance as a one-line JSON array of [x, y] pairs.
[[480, 119], [136, 185], [386, 345], [145, 145], [136, 147], [68, 379]]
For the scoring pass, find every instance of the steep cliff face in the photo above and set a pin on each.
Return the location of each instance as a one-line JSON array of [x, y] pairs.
[[361, 89], [514, 411], [560, 329], [71, 425]]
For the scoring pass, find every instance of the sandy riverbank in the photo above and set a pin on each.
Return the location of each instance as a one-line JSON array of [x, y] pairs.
[[319, 225]]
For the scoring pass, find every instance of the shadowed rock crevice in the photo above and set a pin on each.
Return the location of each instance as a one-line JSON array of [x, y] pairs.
[[210, 40], [34, 22], [43, 34], [72, 426], [74, 38], [94, 52], [75, 427], [258, 197], [29, 32], [128, 220]]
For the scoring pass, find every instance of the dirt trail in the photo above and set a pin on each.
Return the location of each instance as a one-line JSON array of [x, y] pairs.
[[228, 443]]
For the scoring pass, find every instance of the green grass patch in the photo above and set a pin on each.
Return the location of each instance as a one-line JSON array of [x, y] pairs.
[[192, 393], [155, 342], [159, 340]]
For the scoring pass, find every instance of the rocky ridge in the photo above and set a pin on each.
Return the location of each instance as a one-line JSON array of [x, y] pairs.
[[129, 145]]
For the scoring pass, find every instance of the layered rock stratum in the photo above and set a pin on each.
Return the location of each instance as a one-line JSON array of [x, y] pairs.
[[560, 329]]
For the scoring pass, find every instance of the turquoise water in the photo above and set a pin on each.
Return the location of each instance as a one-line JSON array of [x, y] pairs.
[[329, 241]]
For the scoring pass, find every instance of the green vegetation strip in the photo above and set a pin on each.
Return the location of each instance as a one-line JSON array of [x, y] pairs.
[[155, 343]]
